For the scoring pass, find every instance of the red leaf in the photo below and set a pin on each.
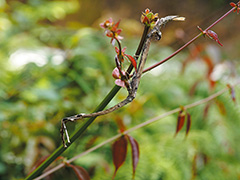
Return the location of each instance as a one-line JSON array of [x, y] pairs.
[[114, 28], [135, 153], [119, 152], [189, 122], [81, 173], [232, 4], [133, 61], [212, 35], [180, 121], [116, 50]]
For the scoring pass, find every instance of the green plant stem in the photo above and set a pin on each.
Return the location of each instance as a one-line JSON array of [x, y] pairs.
[[86, 124], [189, 106], [75, 135], [139, 49]]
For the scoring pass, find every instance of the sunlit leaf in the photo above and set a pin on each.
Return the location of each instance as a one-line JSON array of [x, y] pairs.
[[180, 121], [80, 172], [119, 152], [135, 153]]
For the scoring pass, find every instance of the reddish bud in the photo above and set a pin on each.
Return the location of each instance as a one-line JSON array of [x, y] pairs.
[[180, 121], [236, 6], [115, 73], [112, 30], [212, 35], [148, 18], [119, 82], [107, 24]]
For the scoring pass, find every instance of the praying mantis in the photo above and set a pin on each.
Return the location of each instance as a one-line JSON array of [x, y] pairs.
[[131, 82]]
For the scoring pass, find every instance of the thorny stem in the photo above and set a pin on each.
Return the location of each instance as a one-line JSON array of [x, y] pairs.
[[189, 106], [107, 99]]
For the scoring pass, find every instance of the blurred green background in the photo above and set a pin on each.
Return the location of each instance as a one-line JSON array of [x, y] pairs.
[[55, 62]]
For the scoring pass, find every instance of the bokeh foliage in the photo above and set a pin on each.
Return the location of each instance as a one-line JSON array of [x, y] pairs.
[[74, 74]]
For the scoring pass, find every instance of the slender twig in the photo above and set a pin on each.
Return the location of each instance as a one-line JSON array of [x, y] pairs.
[[155, 119]]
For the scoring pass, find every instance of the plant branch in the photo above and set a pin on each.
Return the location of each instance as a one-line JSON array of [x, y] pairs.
[[84, 126], [188, 43], [189, 106]]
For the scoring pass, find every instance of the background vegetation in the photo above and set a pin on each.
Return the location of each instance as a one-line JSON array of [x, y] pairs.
[[56, 62]]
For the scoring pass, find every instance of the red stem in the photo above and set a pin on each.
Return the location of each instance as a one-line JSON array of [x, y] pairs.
[[188, 43], [213, 24]]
